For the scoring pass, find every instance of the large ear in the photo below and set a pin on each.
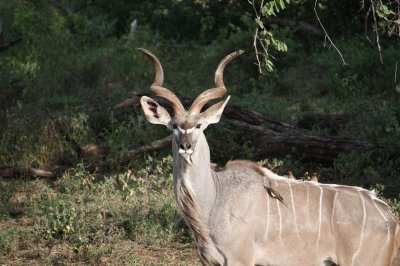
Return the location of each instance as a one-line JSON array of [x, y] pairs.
[[213, 114], [155, 113]]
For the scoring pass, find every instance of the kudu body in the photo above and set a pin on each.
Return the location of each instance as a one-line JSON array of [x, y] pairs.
[[247, 215]]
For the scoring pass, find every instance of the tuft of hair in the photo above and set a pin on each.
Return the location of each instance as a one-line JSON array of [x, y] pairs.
[[291, 176], [314, 178], [215, 167]]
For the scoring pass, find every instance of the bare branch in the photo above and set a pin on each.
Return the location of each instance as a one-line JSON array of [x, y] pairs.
[[376, 32], [126, 103], [256, 38], [9, 44], [256, 51], [154, 146], [366, 24], [326, 33]]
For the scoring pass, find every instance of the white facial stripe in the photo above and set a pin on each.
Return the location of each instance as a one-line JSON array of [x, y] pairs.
[[187, 131], [190, 130], [181, 130]]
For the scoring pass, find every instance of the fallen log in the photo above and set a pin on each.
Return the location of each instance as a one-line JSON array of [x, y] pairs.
[[269, 137], [8, 171], [268, 143], [90, 151], [154, 146], [332, 122]]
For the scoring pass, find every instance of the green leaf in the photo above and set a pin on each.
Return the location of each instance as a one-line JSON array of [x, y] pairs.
[[260, 23], [383, 11], [269, 65], [282, 4]]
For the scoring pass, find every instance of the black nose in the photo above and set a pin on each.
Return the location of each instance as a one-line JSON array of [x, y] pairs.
[[185, 146]]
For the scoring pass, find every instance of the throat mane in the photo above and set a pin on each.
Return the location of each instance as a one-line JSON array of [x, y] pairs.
[[191, 210], [191, 213]]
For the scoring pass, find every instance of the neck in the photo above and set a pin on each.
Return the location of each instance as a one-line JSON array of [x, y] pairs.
[[195, 192], [197, 177]]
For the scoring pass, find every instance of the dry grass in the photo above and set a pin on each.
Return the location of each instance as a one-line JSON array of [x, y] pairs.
[[123, 252], [78, 220]]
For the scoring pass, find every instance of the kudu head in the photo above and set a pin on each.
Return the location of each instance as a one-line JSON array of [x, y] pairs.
[[187, 126]]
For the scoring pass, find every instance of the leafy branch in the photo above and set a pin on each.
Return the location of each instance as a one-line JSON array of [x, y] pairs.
[[386, 19], [263, 38]]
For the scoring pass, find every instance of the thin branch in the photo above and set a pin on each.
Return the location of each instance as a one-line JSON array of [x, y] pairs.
[[366, 25], [376, 32], [256, 39], [126, 103], [154, 146], [9, 44], [256, 50], [265, 48], [326, 33], [362, 3]]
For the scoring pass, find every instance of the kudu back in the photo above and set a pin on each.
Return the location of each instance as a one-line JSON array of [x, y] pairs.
[[246, 215]]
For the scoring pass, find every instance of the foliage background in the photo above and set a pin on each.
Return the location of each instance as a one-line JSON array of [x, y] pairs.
[[73, 51]]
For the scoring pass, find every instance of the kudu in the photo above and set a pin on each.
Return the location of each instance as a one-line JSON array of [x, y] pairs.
[[247, 215]]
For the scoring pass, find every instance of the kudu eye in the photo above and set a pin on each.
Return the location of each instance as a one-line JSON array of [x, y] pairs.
[[174, 126], [198, 126]]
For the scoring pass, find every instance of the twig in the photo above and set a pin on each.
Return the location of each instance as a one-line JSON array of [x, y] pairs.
[[265, 48], [376, 32], [256, 38], [256, 51], [326, 33], [366, 25]]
